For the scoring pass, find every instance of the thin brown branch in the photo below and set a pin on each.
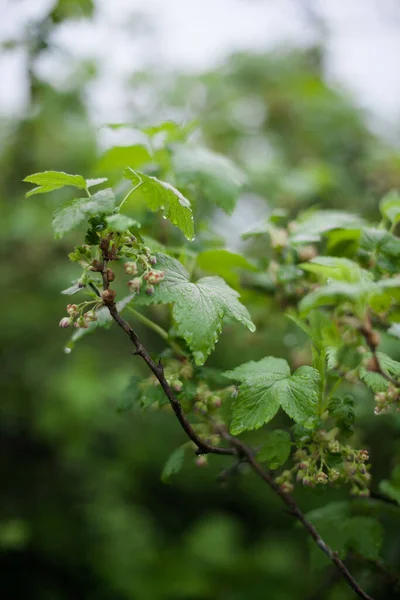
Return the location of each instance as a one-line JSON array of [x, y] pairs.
[[157, 369], [294, 509]]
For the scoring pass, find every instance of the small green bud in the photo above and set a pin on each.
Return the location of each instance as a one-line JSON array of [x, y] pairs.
[[200, 407], [215, 401], [149, 290], [177, 385], [334, 446], [72, 310], [130, 268], [287, 487], [135, 285], [321, 477], [201, 461], [363, 455], [334, 475], [186, 372]]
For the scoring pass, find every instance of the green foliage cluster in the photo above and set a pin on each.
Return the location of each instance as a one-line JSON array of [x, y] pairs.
[[341, 297], [86, 436]]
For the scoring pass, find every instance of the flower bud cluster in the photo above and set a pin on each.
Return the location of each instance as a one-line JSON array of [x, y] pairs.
[[149, 276], [385, 400], [77, 318], [324, 460]]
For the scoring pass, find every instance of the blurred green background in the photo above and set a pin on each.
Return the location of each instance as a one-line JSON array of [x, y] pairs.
[[83, 513]]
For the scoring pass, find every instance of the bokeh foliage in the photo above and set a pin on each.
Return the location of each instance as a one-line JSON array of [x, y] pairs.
[[83, 513]]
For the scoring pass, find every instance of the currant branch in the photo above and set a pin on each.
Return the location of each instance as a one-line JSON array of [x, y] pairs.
[[236, 448]]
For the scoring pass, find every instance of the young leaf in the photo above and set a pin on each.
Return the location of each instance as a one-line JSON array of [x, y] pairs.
[[334, 293], [390, 206], [72, 213], [340, 269], [276, 449], [224, 263], [218, 177], [311, 227], [342, 410], [173, 465], [121, 223], [376, 381], [160, 195], [266, 386], [53, 180], [199, 308]]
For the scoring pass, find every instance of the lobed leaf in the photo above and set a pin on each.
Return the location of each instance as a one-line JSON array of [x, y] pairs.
[[198, 308], [266, 386], [276, 449]]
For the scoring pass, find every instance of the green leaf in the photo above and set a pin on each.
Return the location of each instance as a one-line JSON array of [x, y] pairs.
[[342, 410], [390, 206], [131, 397], [376, 381], [217, 176], [345, 533], [324, 332], [333, 293], [81, 254], [312, 226], [53, 180], [173, 465], [266, 386], [276, 449], [160, 195], [120, 157], [72, 213], [172, 131], [141, 394], [379, 241], [121, 223], [199, 308], [364, 536], [340, 269], [224, 263], [392, 487]]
